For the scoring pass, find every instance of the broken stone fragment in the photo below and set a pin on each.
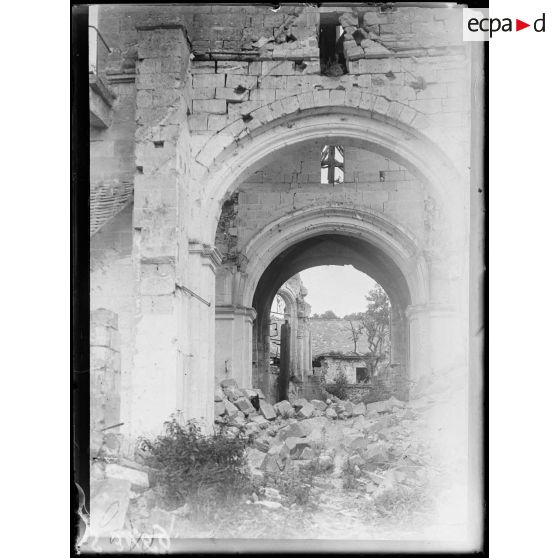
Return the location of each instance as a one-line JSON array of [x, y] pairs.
[[136, 478], [220, 409], [238, 420], [307, 411], [319, 405], [230, 409], [260, 421], [219, 394], [244, 405], [330, 413], [294, 430], [348, 408], [284, 408], [267, 410], [233, 393], [252, 429], [299, 403], [263, 443], [296, 446]]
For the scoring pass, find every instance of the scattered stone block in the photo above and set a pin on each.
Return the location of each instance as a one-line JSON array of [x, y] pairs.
[[230, 409], [294, 430], [296, 446], [137, 479], [263, 443], [306, 411], [244, 405], [330, 413], [299, 403], [220, 409], [267, 410], [284, 408], [260, 421], [238, 420], [233, 393], [319, 405]]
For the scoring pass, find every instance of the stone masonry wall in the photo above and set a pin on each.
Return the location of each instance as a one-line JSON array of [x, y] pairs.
[[247, 57], [292, 182]]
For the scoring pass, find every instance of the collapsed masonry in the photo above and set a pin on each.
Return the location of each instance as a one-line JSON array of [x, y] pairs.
[[376, 442]]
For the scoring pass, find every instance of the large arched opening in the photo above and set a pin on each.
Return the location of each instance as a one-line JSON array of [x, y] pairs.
[[263, 254], [332, 249]]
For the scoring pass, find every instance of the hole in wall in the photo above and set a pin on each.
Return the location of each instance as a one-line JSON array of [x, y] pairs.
[[159, 144]]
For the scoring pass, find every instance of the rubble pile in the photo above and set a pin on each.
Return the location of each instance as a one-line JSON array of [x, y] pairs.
[[372, 442], [375, 446]]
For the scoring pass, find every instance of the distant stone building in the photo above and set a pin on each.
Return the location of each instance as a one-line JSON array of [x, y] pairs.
[[333, 350]]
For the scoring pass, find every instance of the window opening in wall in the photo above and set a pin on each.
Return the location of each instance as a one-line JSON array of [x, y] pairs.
[[333, 164], [332, 57]]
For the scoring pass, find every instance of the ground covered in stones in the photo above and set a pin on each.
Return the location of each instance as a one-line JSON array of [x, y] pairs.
[[320, 470]]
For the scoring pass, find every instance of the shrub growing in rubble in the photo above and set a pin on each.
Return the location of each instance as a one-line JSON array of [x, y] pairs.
[[198, 469], [339, 387]]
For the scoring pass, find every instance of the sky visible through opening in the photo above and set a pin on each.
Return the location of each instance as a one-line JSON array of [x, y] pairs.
[[334, 287]]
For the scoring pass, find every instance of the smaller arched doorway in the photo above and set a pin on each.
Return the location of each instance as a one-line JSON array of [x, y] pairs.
[[331, 249]]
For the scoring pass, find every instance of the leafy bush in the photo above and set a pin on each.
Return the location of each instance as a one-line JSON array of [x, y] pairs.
[[199, 469], [339, 387]]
